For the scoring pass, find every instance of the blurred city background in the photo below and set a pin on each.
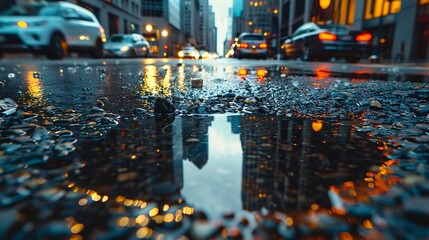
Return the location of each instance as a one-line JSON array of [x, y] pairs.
[[399, 28]]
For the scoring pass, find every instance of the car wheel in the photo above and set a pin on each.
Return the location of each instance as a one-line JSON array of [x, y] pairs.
[[98, 50], [307, 54], [352, 59], [57, 48]]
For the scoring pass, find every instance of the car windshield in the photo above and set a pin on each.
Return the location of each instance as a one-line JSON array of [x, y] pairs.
[[121, 39], [30, 10], [253, 38]]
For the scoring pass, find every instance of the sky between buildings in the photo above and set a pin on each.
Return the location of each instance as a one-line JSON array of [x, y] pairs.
[[221, 8]]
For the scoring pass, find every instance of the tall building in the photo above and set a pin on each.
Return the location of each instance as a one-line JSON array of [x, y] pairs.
[[229, 39], [191, 20], [203, 29], [211, 32], [115, 16], [288, 165], [195, 142], [238, 20], [258, 16], [400, 28], [162, 26]]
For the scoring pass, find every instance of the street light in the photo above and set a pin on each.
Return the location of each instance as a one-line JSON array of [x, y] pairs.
[[164, 34], [149, 28]]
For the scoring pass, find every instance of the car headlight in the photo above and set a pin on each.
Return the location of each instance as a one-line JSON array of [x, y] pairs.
[[125, 48], [180, 54], [24, 24]]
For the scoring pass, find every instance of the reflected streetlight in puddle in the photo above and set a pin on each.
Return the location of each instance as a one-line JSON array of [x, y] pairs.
[[317, 126]]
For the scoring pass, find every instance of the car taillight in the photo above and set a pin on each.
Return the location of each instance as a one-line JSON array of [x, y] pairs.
[[363, 37], [243, 45], [243, 72], [263, 45], [327, 36]]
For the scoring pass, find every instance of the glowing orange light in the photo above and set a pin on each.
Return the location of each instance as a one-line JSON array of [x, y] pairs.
[[317, 126], [144, 232], [77, 228], [324, 4], [326, 36], [289, 221], [322, 73], [390, 162], [242, 72], [243, 45], [261, 73], [364, 37], [263, 45], [153, 212]]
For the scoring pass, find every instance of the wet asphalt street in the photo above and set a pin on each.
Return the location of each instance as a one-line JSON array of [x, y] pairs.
[[213, 149]]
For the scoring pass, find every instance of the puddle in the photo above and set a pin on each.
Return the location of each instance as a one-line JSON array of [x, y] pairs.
[[222, 163]]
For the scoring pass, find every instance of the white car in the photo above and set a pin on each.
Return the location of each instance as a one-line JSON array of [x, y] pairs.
[[52, 28], [127, 45], [189, 52]]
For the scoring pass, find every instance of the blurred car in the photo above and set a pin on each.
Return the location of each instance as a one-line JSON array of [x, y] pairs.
[[51, 28], [127, 45], [204, 54], [324, 41], [251, 45], [189, 52], [213, 55]]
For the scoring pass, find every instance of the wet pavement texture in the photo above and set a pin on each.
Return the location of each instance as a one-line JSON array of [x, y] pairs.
[[131, 151]]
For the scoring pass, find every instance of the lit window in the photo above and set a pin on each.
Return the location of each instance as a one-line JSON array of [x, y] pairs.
[[378, 8]]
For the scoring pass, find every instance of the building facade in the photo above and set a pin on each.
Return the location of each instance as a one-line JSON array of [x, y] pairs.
[[191, 21], [237, 16], [400, 28], [211, 32], [161, 26], [204, 25], [258, 17]]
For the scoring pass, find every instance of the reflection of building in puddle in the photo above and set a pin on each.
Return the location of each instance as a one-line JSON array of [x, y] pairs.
[[145, 160], [195, 139], [289, 164], [135, 161]]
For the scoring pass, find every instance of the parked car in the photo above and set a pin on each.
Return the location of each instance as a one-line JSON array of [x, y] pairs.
[[189, 52], [323, 41], [51, 28], [127, 45], [251, 45]]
